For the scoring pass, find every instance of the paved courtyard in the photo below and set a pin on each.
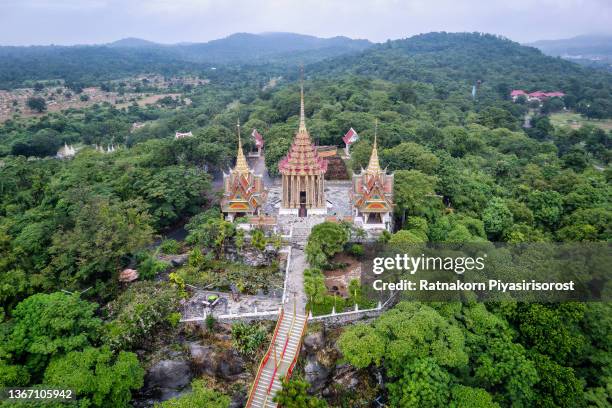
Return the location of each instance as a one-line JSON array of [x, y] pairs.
[[198, 305], [336, 194]]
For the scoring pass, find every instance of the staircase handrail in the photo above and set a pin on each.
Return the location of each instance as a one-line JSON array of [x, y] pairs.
[[264, 360]]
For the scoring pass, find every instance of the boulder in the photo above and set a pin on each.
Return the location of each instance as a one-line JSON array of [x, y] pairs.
[[346, 376], [167, 377], [226, 364], [314, 341], [230, 365], [178, 260], [316, 374], [239, 400]]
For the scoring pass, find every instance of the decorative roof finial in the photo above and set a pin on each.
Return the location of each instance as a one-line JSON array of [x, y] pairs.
[[374, 165], [241, 162], [302, 127]]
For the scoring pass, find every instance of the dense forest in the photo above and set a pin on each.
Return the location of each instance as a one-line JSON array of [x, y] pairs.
[[465, 170]]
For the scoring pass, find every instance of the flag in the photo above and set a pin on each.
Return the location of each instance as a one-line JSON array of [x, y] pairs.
[[350, 137], [257, 138]]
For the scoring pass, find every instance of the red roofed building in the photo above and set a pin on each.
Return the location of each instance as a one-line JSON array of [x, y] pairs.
[[259, 142], [516, 93], [556, 94], [372, 196], [303, 174], [535, 96]]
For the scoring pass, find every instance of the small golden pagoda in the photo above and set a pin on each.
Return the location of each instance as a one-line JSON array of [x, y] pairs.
[[243, 190], [303, 171], [372, 194]]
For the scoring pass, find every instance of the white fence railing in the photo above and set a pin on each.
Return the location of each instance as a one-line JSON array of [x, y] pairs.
[[233, 316], [379, 307]]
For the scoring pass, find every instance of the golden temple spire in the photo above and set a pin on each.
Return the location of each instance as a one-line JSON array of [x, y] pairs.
[[374, 165], [241, 162], [302, 127]]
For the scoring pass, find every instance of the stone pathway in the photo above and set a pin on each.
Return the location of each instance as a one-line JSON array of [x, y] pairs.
[[295, 280]]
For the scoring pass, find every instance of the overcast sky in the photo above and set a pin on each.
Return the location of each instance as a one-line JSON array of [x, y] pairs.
[[24, 22]]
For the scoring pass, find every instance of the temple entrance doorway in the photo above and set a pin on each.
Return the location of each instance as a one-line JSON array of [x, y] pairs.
[[374, 218], [303, 212]]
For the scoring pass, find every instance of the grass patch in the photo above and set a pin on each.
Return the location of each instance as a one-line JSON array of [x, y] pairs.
[[576, 121]]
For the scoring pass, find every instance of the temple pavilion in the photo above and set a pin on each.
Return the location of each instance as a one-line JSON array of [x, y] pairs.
[[303, 174], [243, 190], [372, 195]]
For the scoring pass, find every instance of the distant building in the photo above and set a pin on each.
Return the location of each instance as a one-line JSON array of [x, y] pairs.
[[136, 125], [259, 143], [179, 135], [66, 152], [535, 96]]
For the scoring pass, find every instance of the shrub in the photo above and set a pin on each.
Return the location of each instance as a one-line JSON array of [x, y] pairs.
[[258, 239], [200, 396], [247, 338], [137, 312], [149, 266], [356, 250], [170, 247]]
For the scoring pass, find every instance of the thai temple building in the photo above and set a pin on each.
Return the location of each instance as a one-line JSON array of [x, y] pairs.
[[243, 190], [303, 174], [259, 143], [372, 195], [179, 135], [66, 152]]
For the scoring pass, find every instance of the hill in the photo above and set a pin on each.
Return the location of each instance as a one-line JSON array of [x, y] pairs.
[[259, 48], [132, 42], [450, 63], [94, 63], [592, 50]]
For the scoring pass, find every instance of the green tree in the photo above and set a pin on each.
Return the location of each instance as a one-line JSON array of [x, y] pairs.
[[505, 366], [558, 385], [294, 394], [410, 156], [37, 103], [547, 207], [423, 383], [462, 396], [92, 250], [362, 345], [325, 240], [497, 218], [48, 325], [97, 376], [414, 192], [314, 284]]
